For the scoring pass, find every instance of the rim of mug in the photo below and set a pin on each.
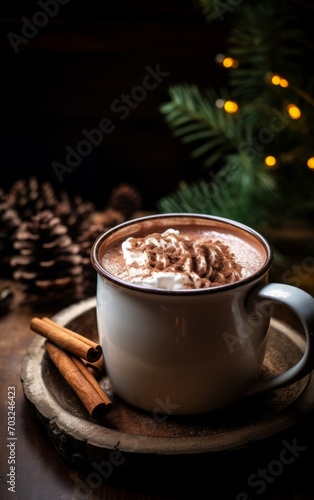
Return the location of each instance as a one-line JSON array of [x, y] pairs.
[[102, 271]]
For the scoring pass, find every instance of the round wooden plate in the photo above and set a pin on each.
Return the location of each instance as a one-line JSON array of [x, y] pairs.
[[76, 436]]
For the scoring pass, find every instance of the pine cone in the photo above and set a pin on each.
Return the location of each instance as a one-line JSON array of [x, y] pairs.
[[108, 218], [125, 199], [9, 222], [28, 197], [47, 261], [74, 213]]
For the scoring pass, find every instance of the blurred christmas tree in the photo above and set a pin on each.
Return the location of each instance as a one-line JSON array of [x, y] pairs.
[[255, 136]]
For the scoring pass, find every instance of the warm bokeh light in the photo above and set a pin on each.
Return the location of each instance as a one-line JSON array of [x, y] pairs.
[[310, 163], [275, 80], [231, 107], [294, 111], [229, 62], [270, 162], [283, 82], [226, 61]]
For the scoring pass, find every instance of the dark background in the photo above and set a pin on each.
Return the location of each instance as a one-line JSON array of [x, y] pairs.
[[65, 78]]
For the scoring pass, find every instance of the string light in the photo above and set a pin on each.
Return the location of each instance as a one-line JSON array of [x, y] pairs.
[[277, 80], [283, 82], [310, 163], [293, 111], [270, 162], [226, 61], [231, 107], [229, 62]]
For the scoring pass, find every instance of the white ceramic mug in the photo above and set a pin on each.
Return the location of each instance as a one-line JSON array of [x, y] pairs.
[[192, 351]]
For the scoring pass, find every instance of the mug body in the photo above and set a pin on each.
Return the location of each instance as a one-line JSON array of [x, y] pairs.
[[180, 352]]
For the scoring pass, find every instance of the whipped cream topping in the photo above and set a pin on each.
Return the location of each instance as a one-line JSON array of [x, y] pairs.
[[173, 262]]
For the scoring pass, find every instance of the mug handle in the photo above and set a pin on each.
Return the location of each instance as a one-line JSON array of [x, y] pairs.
[[302, 304]]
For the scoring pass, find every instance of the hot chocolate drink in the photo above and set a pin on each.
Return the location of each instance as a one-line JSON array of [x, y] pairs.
[[181, 313], [182, 258]]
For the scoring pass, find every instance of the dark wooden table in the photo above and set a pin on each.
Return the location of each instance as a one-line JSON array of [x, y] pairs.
[[41, 473]]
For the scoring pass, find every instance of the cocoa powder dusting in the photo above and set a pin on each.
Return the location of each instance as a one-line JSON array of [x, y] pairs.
[[212, 262]]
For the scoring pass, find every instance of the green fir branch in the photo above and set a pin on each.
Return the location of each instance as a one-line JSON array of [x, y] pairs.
[[265, 37], [194, 117], [242, 182], [218, 10]]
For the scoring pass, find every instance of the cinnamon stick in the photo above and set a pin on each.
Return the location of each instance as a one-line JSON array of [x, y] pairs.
[[68, 331], [80, 380], [97, 368], [73, 342]]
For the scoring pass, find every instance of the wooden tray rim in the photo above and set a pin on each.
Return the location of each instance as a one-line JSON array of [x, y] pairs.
[[101, 437]]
